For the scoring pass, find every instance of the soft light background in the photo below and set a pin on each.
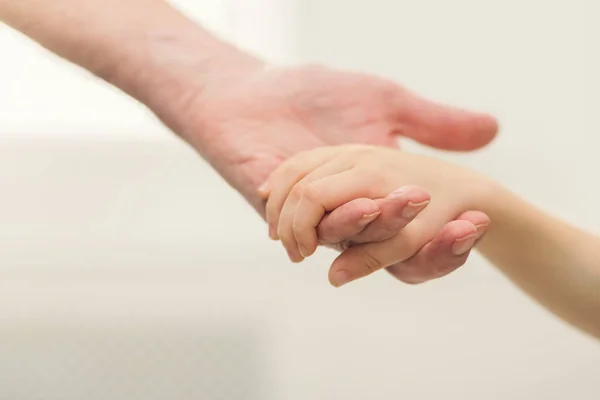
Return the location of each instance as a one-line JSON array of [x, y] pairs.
[[129, 270]]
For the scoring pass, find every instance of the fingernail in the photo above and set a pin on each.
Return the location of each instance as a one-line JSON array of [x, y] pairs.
[[340, 278], [303, 250], [413, 209], [264, 189], [481, 230], [463, 245], [273, 233], [295, 258], [368, 218]]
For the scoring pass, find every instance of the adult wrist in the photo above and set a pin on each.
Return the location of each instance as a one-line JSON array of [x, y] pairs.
[[172, 74]]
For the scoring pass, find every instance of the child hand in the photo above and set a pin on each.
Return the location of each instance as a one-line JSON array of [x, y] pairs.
[[316, 182]]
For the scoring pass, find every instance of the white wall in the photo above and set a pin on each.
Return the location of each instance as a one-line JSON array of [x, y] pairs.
[[115, 255]]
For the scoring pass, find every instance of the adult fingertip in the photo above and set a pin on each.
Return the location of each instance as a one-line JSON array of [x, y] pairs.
[[411, 210], [484, 130], [339, 278], [463, 245], [482, 229], [366, 219], [347, 221]]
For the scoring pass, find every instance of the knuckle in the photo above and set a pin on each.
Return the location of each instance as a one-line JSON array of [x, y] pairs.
[[376, 178], [290, 167], [298, 190], [371, 262], [311, 191]]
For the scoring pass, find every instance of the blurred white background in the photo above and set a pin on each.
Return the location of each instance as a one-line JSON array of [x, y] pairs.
[[126, 263]]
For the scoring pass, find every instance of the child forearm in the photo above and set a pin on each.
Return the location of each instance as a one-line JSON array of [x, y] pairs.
[[554, 262]]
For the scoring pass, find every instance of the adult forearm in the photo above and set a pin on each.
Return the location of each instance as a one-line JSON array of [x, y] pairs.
[[144, 47], [555, 263]]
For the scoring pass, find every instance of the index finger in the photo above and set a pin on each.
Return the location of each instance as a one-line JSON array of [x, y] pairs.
[[347, 221]]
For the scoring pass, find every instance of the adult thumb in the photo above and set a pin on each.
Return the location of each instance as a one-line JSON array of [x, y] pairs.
[[441, 126]]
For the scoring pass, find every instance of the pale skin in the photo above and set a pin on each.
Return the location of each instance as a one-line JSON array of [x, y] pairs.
[[246, 118], [554, 262]]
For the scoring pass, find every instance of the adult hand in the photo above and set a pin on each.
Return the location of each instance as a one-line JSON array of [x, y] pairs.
[[448, 250], [246, 128], [242, 118]]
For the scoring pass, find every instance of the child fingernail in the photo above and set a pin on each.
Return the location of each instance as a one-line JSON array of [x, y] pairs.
[[413, 209], [303, 250], [340, 278], [264, 188], [295, 258], [273, 233], [463, 245], [368, 218]]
